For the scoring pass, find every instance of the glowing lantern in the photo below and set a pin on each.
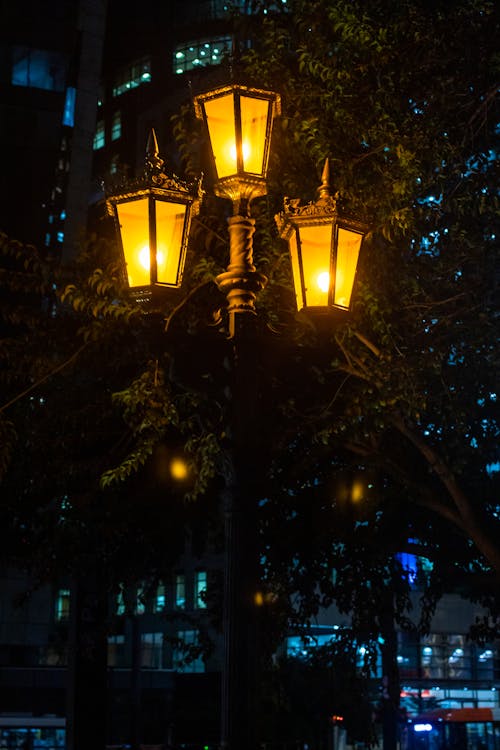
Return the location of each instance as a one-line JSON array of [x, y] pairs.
[[239, 122], [153, 219], [324, 249]]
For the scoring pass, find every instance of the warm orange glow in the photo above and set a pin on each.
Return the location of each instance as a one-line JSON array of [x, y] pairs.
[[316, 243], [245, 149], [170, 219], [311, 247], [323, 281], [254, 116], [258, 599], [357, 492], [134, 225], [349, 245], [144, 257], [221, 128], [179, 469], [225, 120]]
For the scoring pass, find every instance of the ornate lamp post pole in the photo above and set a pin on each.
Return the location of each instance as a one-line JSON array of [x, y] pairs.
[[239, 123]]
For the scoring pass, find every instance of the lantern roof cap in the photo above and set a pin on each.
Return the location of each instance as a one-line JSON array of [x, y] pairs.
[[252, 91], [153, 179], [324, 209]]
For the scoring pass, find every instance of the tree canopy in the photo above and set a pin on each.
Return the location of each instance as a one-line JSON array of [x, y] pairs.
[[408, 113]]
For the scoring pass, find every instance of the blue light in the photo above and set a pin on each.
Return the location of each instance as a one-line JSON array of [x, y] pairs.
[[422, 728], [69, 107]]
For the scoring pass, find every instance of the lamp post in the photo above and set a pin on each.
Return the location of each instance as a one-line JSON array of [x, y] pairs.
[[239, 122]]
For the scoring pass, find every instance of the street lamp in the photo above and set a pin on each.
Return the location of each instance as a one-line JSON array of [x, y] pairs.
[[153, 217], [324, 248], [239, 124]]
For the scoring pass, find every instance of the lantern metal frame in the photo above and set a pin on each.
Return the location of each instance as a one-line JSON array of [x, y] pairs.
[[322, 212], [157, 187]]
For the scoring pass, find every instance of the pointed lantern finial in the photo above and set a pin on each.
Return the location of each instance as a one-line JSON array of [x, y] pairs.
[[324, 191], [154, 164]]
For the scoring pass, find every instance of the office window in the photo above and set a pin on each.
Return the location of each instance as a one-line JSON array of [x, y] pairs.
[[116, 125], [200, 589], [184, 658], [69, 107], [62, 605], [151, 650], [116, 651], [200, 53], [38, 69], [446, 656], [120, 603], [113, 165], [140, 601], [160, 601], [134, 75], [99, 138], [180, 591]]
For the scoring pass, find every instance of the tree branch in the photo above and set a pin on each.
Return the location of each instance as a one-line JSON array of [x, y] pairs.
[[468, 519], [45, 377]]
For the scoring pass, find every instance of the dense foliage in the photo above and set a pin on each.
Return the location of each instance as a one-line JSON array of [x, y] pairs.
[[409, 115]]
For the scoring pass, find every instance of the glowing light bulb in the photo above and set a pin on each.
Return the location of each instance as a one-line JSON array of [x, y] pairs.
[[323, 281], [144, 257], [245, 148]]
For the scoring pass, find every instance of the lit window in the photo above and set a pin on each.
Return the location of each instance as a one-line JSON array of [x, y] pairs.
[[116, 126], [99, 135], [200, 589], [38, 69], [160, 601], [201, 53], [140, 606], [185, 656], [132, 76], [113, 167], [62, 605], [60, 236], [120, 603], [116, 651], [69, 107], [180, 591], [151, 650]]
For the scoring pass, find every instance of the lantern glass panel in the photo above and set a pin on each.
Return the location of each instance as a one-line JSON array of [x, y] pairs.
[[170, 219], [348, 247], [316, 243], [133, 217], [254, 117], [221, 128]]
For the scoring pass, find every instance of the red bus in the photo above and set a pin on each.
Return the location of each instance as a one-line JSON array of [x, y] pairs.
[[454, 729]]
